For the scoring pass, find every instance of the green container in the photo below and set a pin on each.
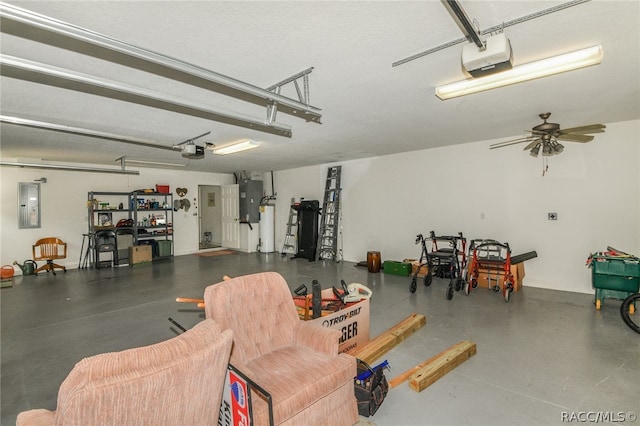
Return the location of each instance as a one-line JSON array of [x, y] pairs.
[[396, 268], [620, 274], [164, 248]]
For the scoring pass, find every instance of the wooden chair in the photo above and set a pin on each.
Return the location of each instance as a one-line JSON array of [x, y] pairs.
[[49, 249]]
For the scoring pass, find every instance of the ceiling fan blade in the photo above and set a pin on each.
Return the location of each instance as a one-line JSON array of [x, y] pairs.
[[575, 138], [591, 128], [532, 144], [511, 142], [562, 132]]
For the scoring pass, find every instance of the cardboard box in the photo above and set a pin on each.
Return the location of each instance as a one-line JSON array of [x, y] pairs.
[[139, 254], [235, 404], [352, 321], [415, 266], [492, 277]]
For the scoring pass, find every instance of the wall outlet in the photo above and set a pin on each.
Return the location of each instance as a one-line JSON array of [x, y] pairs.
[[552, 216]]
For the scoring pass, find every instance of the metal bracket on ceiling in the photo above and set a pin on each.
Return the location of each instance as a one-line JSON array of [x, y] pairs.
[[495, 28], [303, 96], [26, 24], [24, 69], [462, 19]]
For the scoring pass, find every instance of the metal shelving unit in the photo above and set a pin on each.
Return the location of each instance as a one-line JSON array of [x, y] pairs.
[[145, 216]]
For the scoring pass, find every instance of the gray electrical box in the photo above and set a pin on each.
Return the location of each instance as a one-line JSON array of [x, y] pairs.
[[250, 196]]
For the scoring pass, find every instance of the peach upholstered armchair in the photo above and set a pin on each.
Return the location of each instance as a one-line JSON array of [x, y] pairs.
[[295, 361], [176, 382]]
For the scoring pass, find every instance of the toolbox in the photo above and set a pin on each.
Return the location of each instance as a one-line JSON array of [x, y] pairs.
[[396, 268]]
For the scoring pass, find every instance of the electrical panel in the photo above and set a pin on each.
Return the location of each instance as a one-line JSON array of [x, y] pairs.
[[250, 197]]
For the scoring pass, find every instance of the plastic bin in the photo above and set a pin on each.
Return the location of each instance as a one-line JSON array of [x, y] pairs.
[[162, 189], [611, 273], [164, 248]]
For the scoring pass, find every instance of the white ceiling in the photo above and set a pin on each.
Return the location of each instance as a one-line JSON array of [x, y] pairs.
[[369, 108]]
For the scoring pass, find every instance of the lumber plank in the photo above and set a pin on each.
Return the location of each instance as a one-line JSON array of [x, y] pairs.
[[408, 326], [382, 344], [441, 364], [405, 376]]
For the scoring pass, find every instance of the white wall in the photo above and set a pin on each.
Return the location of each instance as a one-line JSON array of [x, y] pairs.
[[501, 194], [386, 201], [64, 212]]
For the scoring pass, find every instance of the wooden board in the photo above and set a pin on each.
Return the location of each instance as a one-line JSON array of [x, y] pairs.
[[382, 344], [423, 375]]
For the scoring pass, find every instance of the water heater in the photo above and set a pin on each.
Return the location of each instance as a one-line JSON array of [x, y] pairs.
[[267, 228]]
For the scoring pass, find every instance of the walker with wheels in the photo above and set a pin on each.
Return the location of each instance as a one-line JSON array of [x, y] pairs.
[[491, 256], [441, 261]]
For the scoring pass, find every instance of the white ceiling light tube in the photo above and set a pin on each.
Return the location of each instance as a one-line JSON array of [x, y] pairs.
[[543, 68], [236, 147]]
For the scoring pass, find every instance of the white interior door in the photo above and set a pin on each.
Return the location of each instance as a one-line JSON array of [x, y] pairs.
[[209, 216], [231, 216]]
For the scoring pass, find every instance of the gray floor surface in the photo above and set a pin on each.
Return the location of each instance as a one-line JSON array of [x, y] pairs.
[[546, 357]]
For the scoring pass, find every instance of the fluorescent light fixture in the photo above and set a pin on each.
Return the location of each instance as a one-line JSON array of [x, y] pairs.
[[236, 147], [532, 70]]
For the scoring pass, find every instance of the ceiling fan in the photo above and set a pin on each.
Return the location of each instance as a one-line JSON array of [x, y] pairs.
[[545, 137], [189, 148]]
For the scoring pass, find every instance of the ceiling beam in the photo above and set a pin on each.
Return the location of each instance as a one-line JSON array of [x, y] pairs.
[[44, 125], [24, 69], [68, 168], [30, 25]]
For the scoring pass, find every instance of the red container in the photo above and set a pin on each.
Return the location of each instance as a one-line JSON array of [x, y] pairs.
[[162, 189], [7, 272]]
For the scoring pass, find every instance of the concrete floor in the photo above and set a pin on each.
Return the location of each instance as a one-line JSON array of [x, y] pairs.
[[544, 357]]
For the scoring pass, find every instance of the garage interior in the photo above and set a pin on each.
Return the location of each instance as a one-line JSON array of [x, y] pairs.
[[100, 97]]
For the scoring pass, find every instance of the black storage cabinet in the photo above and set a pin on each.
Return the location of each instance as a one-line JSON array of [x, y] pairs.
[[308, 212]]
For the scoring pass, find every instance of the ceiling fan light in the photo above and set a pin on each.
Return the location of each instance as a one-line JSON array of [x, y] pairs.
[[532, 70], [558, 147], [535, 151], [236, 147]]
